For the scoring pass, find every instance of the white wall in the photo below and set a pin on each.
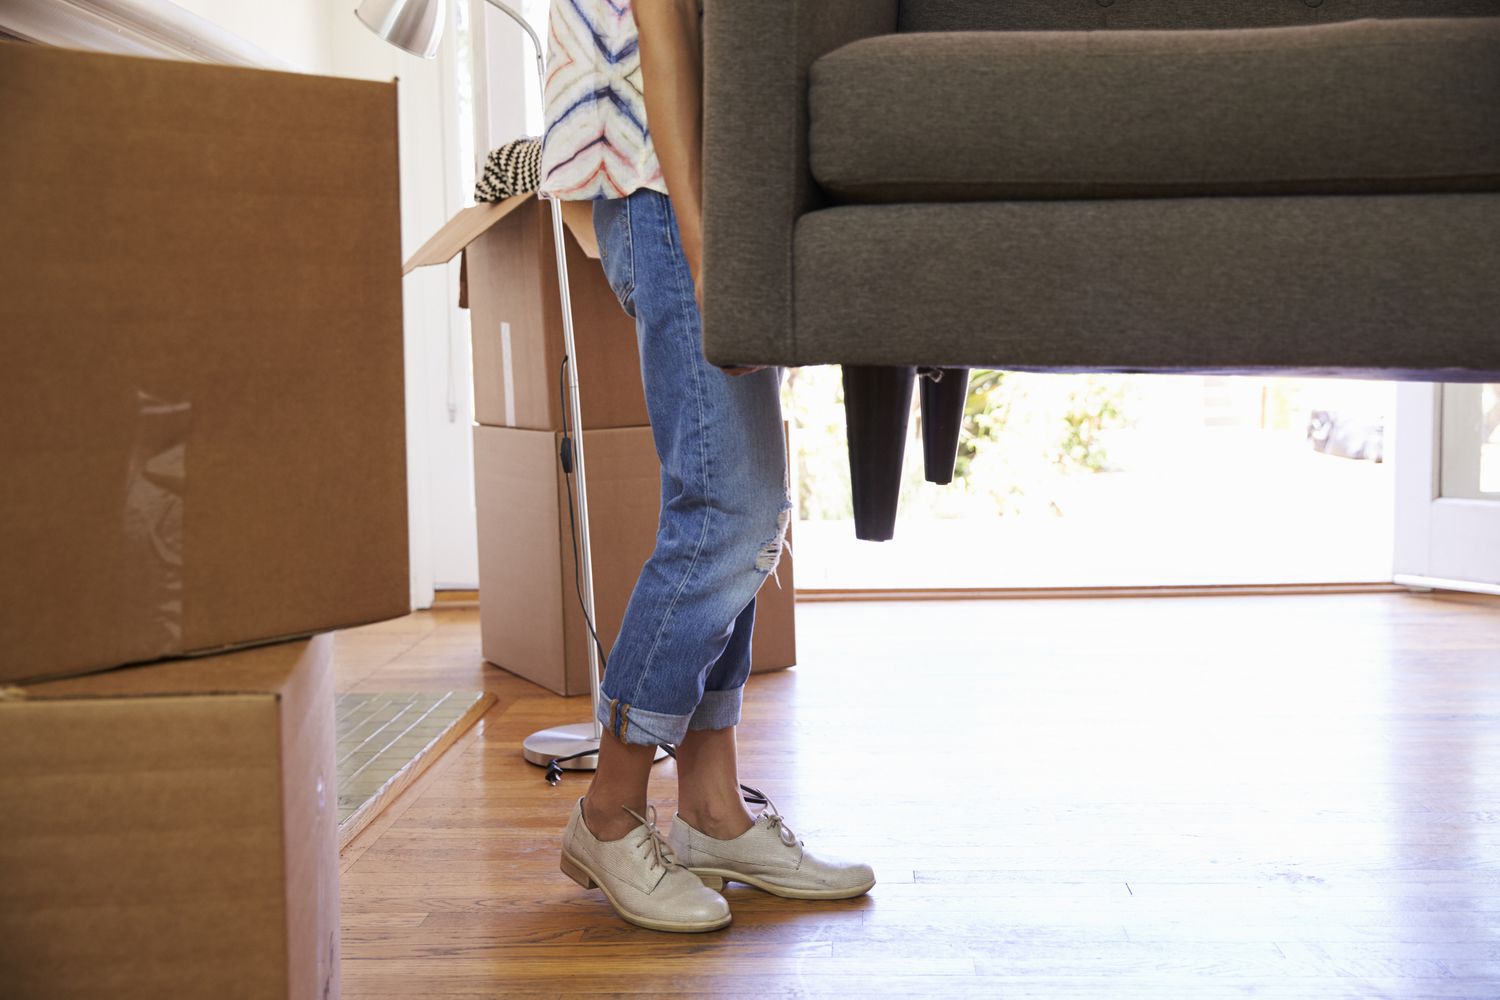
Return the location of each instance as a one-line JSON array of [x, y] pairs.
[[510, 105], [315, 36], [294, 30]]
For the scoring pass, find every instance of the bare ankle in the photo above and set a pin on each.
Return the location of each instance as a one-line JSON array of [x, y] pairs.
[[610, 823], [720, 821]]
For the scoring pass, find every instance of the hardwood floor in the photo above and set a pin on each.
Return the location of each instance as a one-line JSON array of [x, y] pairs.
[[1274, 797]]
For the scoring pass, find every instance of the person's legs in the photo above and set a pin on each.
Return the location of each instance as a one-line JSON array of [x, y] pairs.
[[619, 783], [680, 662], [723, 462], [708, 783], [677, 670]]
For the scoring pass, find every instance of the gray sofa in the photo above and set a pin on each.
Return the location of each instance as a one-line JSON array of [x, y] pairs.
[[1098, 185]]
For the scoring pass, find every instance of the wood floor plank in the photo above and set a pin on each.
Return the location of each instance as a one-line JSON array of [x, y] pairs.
[[1270, 797]]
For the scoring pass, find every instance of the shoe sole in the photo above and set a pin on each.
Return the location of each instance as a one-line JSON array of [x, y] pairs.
[[580, 873], [715, 878]]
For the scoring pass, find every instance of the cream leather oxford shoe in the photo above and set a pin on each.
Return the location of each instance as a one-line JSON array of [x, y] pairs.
[[768, 856], [640, 877]]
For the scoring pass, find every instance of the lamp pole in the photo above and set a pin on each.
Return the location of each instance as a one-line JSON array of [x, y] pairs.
[[546, 745]]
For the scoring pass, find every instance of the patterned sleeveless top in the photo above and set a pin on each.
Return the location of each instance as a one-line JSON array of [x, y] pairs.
[[596, 143]]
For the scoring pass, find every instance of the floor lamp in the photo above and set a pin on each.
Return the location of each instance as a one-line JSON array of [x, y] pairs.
[[417, 27]]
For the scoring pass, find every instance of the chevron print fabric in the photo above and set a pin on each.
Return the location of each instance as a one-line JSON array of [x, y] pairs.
[[596, 143]]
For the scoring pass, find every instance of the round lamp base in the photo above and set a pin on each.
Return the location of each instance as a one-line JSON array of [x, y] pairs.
[[542, 747]]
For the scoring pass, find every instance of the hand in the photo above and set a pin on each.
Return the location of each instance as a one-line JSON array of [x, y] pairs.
[[697, 272]]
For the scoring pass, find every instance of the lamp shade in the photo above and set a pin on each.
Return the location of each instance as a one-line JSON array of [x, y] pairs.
[[413, 25]]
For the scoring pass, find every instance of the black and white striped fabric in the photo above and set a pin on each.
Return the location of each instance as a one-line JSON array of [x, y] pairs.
[[514, 168]]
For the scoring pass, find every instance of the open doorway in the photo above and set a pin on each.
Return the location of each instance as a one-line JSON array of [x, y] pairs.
[[1113, 480]]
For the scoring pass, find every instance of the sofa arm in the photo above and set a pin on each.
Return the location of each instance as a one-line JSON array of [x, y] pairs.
[[756, 180]]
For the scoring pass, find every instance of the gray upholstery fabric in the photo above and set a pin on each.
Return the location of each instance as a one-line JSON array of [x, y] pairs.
[[1402, 283], [1359, 107], [756, 180], [1137, 15], [1349, 283]]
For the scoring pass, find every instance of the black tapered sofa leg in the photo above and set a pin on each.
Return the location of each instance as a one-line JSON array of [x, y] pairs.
[[877, 406], [944, 391]]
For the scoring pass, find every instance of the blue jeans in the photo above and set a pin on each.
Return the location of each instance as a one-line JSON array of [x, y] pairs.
[[683, 652]]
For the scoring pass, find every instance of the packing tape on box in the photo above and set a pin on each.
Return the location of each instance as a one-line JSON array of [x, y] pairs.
[[508, 374], [155, 491]]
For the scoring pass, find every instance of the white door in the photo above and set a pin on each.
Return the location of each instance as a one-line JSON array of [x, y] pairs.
[[507, 99], [1447, 463]]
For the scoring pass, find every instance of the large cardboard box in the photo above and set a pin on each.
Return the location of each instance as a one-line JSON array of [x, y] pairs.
[[170, 830], [531, 621], [202, 426], [515, 316]]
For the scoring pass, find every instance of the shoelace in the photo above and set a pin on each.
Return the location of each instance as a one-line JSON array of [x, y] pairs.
[[656, 845], [775, 820]]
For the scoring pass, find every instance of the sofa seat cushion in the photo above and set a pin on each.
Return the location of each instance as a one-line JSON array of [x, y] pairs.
[[1371, 106], [1382, 286]]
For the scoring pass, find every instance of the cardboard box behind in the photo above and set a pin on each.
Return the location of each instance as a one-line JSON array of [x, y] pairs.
[[530, 618], [170, 831], [515, 317], [203, 436]]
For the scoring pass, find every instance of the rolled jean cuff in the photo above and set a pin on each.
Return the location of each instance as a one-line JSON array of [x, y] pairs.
[[718, 709], [632, 724]]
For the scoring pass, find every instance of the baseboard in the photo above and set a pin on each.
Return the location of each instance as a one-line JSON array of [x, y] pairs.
[[447, 599], [1034, 593]]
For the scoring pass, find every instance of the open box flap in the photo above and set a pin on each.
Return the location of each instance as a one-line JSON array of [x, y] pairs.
[[461, 230], [472, 222]]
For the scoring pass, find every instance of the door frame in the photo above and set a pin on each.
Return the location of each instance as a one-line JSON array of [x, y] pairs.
[[1441, 543]]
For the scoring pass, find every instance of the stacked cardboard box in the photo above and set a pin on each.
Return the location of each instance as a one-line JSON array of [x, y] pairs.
[[204, 449], [169, 830], [530, 613]]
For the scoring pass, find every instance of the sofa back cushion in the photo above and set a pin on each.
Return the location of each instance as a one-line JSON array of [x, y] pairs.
[[1089, 15]]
